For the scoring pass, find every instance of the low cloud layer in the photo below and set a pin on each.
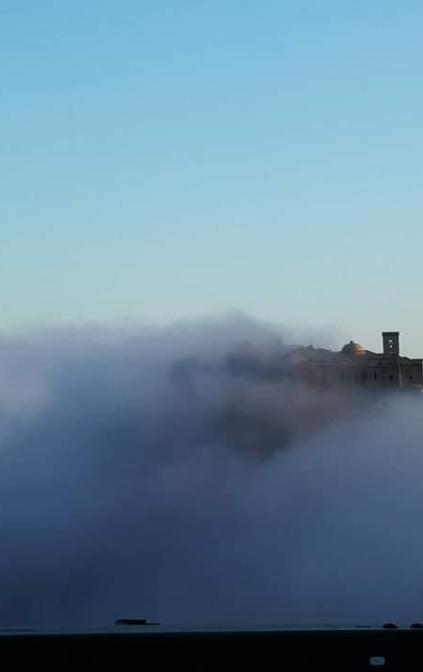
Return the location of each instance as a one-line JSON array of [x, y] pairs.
[[142, 475]]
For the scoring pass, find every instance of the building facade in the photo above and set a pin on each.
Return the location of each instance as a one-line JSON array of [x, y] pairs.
[[355, 365]]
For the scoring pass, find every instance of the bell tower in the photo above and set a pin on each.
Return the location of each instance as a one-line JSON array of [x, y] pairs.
[[391, 343]]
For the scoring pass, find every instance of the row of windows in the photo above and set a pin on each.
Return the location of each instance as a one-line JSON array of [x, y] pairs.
[[363, 376]]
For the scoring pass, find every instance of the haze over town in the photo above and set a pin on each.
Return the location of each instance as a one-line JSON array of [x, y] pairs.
[[190, 189]]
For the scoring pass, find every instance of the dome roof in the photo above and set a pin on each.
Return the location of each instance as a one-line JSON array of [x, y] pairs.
[[353, 348]]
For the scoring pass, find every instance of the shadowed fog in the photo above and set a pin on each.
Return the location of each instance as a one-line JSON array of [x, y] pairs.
[[142, 474]]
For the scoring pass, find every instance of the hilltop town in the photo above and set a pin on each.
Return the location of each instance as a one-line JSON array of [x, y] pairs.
[[352, 365]]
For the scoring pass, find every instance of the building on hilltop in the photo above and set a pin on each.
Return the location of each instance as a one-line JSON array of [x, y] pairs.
[[352, 365], [355, 365]]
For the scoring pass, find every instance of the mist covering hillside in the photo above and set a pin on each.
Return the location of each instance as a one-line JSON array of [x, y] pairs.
[[143, 474]]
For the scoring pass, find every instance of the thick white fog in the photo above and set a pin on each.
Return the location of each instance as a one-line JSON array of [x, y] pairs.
[[140, 476]]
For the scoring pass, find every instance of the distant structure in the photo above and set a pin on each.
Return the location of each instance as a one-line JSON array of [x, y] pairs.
[[352, 365], [355, 365]]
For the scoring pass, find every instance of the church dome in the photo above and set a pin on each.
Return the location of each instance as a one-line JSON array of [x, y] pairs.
[[353, 348]]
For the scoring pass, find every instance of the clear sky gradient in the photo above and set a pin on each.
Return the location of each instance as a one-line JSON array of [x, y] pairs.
[[171, 159]]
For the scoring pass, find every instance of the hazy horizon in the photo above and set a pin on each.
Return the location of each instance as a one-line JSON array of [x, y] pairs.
[[133, 484], [180, 179]]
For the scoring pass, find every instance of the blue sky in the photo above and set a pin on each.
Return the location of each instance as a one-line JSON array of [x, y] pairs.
[[177, 159]]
